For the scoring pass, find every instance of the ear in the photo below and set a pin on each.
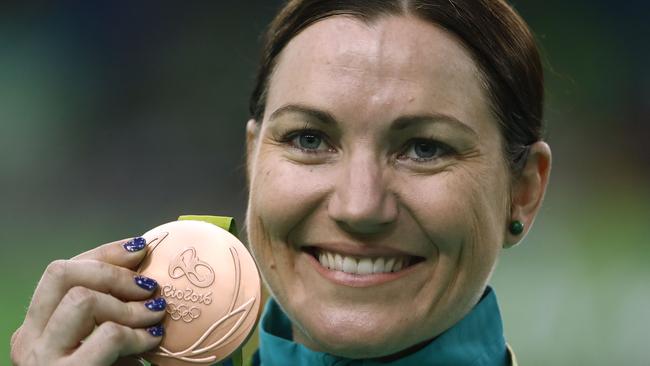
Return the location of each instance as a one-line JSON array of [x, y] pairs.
[[252, 134], [528, 190]]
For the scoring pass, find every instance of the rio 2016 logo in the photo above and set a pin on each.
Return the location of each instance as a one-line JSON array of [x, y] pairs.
[[187, 264]]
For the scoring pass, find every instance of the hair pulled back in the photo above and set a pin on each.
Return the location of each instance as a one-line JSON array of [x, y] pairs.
[[498, 39]]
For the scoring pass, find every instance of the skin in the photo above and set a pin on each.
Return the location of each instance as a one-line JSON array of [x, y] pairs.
[[91, 297], [364, 189]]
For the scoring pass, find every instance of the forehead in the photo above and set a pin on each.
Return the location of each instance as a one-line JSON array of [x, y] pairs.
[[364, 71]]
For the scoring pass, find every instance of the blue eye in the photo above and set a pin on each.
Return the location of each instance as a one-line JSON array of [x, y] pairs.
[[425, 150], [309, 141]]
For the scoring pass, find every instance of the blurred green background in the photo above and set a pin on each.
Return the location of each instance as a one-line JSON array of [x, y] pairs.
[[118, 116]]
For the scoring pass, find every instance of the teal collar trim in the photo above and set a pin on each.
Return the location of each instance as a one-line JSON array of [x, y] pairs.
[[475, 340]]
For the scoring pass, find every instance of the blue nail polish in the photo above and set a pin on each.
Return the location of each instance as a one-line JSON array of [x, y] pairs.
[[158, 304], [135, 244], [146, 283], [156, 330]]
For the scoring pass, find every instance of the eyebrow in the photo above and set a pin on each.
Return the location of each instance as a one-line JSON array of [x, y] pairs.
[[320, 115], [401, 123], [405, 122]]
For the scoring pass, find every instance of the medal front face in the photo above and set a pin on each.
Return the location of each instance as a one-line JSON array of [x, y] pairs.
[[212, 289]]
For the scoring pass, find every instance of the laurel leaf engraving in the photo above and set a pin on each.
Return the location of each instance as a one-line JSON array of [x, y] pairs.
[[191, 353], [154, 243], [192, 350]]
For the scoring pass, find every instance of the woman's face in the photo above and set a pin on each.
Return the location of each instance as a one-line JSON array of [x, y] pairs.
[[378, 188]]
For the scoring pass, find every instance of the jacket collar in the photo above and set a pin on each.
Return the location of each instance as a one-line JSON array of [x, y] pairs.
[[477, 339]]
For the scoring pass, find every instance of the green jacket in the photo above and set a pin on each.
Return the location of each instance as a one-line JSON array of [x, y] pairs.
[[476, 340]]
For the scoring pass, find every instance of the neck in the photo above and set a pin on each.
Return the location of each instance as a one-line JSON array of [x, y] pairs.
[[299, 337]]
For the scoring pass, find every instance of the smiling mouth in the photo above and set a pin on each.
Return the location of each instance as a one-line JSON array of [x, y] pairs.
[[362, 265]]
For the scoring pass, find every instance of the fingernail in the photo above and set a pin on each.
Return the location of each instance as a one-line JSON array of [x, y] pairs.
[[135, 244], [146, 283], [156, 330], [158, 304]]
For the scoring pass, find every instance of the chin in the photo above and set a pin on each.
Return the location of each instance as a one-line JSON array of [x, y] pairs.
[[355, 337]]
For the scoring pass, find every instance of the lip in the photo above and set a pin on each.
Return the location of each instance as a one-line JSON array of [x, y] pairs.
[[355, 280], [371, 251]]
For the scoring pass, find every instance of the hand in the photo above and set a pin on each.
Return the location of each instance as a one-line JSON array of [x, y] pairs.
[[91, 310]]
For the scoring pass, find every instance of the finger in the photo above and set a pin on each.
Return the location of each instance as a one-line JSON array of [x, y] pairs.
[[81, 309], [61, 276], [14, 337], [126, 253], [129, 361], [16, 349], [110, 341]]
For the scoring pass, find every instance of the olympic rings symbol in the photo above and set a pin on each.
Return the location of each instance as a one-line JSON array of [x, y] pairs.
[[186, 263], [183, 312]]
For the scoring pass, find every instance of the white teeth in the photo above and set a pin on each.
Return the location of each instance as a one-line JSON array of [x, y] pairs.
[[330, 259], [390, 262], [378, 265], [361, 266], [398, 265], [365, 266], [324, 259], [338, 262], [349, 265]]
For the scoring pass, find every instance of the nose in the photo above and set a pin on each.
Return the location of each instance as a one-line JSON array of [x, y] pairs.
[[361, 202]]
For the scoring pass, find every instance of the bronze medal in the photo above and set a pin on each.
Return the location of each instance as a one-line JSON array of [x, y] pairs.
[[212, 289]]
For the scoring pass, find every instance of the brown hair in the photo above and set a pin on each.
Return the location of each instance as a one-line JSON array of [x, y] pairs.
[[497, 37]]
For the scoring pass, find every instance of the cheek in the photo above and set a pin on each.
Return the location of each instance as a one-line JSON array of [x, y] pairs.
[[458, 209], [460, 213], [282, 196]]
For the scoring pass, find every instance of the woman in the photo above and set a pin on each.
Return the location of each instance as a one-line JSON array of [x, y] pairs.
[[394, 149]]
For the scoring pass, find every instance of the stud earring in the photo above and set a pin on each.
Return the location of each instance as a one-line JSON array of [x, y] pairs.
[[516, 227]]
